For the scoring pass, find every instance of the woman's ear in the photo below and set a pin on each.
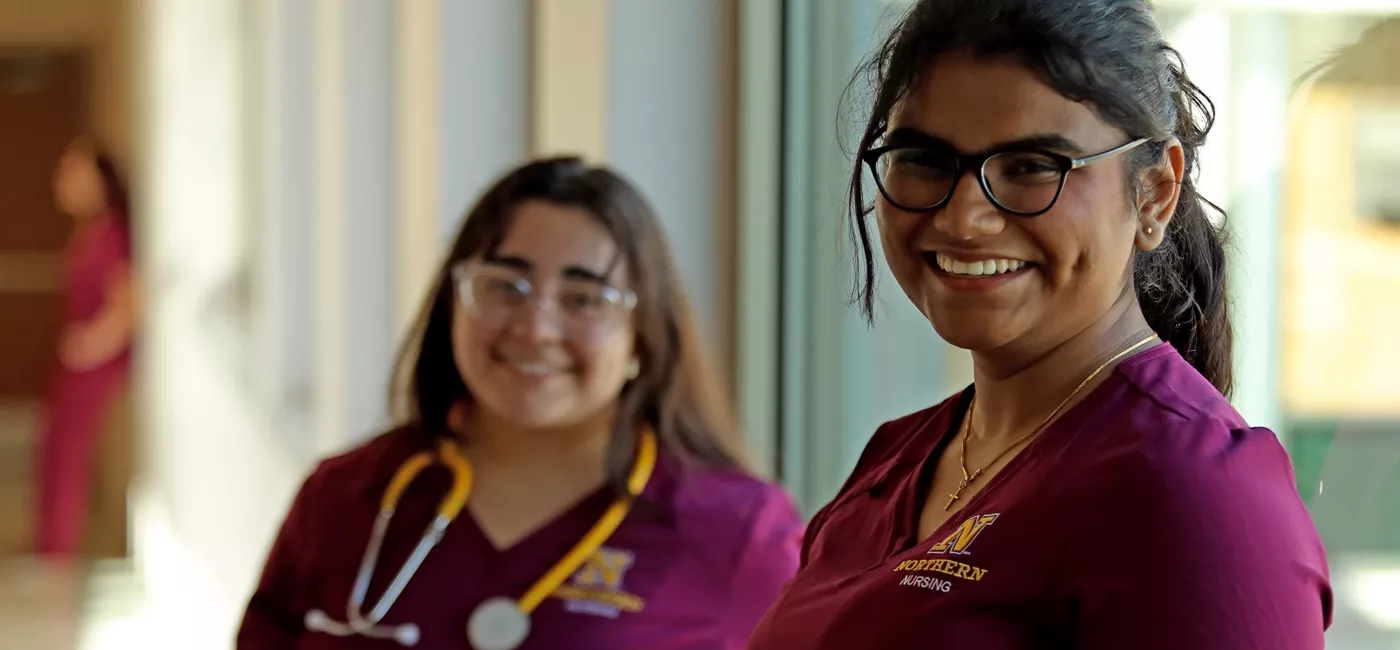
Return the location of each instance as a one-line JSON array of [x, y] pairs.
[[1159, 188]]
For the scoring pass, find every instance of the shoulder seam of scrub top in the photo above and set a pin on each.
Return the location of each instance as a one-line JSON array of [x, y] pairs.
[[1181, 406]]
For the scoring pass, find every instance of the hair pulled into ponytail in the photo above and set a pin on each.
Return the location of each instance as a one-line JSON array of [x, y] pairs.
[[1111, 55], [1182, 284]]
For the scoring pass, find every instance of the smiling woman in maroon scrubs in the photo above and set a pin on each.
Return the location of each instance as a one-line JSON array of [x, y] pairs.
[[1093, 488], [564, 448]]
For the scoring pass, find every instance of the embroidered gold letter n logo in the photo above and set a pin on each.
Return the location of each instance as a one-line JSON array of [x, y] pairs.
[[957, 543]]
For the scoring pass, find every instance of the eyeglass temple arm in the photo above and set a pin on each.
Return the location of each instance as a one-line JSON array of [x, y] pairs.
[[1076, 163]]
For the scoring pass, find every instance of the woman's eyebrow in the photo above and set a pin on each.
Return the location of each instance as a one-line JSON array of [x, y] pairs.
[[905, 136], [524, 265]]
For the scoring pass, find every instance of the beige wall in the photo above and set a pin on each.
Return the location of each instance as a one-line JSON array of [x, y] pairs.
[[570, 85], [101, 27], [68, 22], [1340, 354]]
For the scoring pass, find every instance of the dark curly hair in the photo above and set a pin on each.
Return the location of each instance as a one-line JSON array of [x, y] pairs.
[[1111, 55]]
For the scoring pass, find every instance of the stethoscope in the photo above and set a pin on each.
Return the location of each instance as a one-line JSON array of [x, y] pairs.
[[498, 623]]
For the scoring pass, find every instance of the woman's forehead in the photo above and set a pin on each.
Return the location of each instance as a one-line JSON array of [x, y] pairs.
[[549, 239], [976, 104]]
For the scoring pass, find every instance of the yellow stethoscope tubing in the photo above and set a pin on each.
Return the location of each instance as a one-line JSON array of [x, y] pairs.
[[600, 532], [448, 510], [461, 480], [451, 507]]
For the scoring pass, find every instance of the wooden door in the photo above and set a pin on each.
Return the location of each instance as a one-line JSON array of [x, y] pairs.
[[42, 106]]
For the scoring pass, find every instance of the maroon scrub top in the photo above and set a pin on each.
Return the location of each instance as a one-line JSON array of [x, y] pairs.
[[695, 564], [1149, 516]]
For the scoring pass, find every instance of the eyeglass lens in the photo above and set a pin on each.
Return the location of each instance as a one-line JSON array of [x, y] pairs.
[[916, 178], [497, 295]]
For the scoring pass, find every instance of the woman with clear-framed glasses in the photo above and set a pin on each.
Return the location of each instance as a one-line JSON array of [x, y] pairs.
[[1093, 489], [566, 473]]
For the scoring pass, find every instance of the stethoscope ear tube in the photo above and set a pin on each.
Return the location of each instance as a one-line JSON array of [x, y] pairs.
[[367, 564], [357, 623], [406, 635]]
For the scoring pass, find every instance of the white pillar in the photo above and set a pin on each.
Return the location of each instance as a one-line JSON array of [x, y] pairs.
[[283, 223], [1258, 138], [669, 128], [1204, 38], [201, 505], [758, 231], [354, 202], [837, 372], [486, 106], [462, 120], [419, 125]]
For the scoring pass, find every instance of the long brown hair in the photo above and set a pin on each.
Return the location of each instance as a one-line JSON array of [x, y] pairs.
[[676, 393]]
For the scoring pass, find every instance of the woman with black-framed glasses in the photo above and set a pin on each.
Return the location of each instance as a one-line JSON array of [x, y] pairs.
[[1023, 179], [1093, 489], [565, 473]]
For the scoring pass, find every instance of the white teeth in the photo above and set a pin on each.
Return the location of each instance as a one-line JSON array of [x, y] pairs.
[[534, 368], [984, 267]]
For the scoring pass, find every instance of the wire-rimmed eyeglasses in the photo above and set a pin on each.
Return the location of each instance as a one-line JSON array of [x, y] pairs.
[[1025, 182], [497, 294]]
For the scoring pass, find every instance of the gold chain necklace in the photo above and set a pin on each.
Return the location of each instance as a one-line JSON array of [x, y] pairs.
[[966, 432]]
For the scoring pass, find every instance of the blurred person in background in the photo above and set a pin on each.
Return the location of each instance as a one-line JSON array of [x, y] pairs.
[[564, 445], [1093, 488], [95, 345]]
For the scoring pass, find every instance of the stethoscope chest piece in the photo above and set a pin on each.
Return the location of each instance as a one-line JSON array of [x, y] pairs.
[[498, 624]]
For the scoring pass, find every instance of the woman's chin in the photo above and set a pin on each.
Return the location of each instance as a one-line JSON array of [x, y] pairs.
[[538, 417], [972, 334]]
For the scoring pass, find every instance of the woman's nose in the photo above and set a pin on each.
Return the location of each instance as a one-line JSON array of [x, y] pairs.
[[537, 320], [969, 214]]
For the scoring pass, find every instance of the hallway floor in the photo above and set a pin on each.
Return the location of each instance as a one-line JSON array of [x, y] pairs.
[[45, 607], [100, 606], [18, 421]]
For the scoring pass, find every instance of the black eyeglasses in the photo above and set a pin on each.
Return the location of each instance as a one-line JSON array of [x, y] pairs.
[[1025, 182]]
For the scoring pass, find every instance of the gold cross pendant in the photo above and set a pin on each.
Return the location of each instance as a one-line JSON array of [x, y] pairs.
[[958, 495]]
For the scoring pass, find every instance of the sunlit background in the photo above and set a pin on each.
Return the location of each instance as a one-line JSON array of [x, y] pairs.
[[299, 164]]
